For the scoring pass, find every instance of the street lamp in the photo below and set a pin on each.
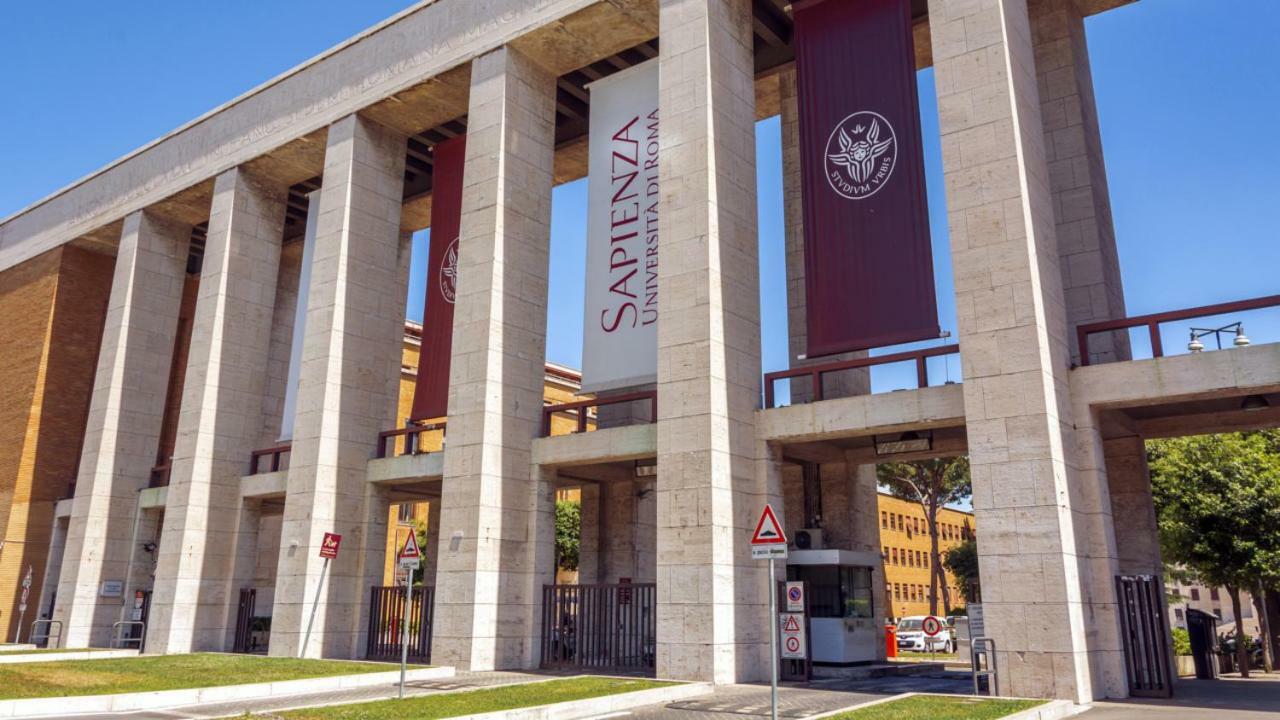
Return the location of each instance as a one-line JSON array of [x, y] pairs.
[[1241, 340]]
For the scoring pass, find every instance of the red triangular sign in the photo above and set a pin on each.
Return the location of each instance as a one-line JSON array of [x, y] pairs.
[[791, 624], [411, 549], [768, 530]]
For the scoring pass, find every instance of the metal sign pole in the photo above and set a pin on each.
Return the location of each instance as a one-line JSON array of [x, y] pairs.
[[773, 644], [404, 629], [302, 653]]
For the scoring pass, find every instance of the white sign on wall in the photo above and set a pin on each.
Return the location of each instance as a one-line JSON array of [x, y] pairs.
[[620, 323]]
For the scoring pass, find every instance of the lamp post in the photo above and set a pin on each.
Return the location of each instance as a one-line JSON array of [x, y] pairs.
[[1237, 328]]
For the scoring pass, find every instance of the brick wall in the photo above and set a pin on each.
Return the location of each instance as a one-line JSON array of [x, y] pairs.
[[53, 307]]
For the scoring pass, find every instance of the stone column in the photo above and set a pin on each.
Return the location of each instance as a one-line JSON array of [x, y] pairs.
[[711, 621], [221, 419], [589, 541], [1137, 537], [1012, 323], [845, 383], [1092, 288], [52, 568], [122, 434], [485, 592], [246, 526], [347, 390], [432, 548]]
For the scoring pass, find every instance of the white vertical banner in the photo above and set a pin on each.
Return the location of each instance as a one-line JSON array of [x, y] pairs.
[[620, 325], [300, 318]]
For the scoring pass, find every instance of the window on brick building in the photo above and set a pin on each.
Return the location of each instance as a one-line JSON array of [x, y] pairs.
[[884, 519], [1195, 593], [1213, 593]]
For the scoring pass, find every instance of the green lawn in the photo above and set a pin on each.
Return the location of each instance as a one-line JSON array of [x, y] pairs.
[[163, 672], [940, 707], [431, 707]]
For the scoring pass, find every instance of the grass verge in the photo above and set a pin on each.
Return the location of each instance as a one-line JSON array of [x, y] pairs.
[[148, 673], [940, 707], [907, 656], [510, 697]]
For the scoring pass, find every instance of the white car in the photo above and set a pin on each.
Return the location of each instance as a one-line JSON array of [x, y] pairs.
[[911, 636]]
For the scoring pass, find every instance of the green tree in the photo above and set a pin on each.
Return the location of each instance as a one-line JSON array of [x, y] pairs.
[[568, 533], [932, 484], [1217, 501], [962, 561]]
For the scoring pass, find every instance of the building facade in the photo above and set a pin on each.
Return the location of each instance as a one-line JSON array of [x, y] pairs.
[[1052, 411], [906, 549]]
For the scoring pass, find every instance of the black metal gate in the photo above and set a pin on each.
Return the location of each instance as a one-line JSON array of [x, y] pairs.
[[599, 626], [1145, 634], [244, 620], [386, 608]]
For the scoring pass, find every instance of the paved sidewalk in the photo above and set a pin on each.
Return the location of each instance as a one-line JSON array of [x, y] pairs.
[[461, 681], [1229, 698], [730, 700]]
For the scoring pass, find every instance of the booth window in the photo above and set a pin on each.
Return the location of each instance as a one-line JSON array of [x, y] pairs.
[[836, 591]]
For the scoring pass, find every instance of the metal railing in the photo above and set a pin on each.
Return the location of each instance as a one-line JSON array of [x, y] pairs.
[[1153, 322], [579, 408], [43, 640], [816, 371], [160, 474], [980, 648], [412, 435], [603, 627], [119, 641], [275, 453]]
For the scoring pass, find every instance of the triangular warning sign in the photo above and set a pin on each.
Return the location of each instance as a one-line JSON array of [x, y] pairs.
[[791, 624], [411, 549], [768, 530]]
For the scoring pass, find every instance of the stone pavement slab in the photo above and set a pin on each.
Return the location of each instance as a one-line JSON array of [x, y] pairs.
[[1231, 698], [729, 700], [461, 681]]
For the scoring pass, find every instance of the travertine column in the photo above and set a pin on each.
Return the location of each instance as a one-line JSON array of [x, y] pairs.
[[432, 547], [1012, 324], [221, 417], [347, 390], [847, 382], [589, 541], [1129, 480], [125, 413], [1092, 287], [712, 624], [485, 581]]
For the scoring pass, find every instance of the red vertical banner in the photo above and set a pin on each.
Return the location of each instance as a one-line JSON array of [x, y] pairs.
[[868, 263], [431, 391]]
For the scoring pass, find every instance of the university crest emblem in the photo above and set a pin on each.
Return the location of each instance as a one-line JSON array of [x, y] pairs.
[[861, 153], [449, 272]]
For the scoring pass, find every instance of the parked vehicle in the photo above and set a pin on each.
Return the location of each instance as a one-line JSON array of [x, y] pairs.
[[911, 637]]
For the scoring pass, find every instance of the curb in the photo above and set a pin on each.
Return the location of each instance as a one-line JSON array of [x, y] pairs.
[[121, 702], [1050, 710], [859, 706], [591, 707], [68, 655]]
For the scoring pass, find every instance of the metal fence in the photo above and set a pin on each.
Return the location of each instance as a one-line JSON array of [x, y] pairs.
[[599, 626], [386, 609]]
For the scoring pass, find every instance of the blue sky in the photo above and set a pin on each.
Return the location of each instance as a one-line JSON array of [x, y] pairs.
[[1188, 94]]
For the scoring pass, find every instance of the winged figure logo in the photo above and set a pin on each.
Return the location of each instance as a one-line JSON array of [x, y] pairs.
[[858, 157], [449, 272]]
